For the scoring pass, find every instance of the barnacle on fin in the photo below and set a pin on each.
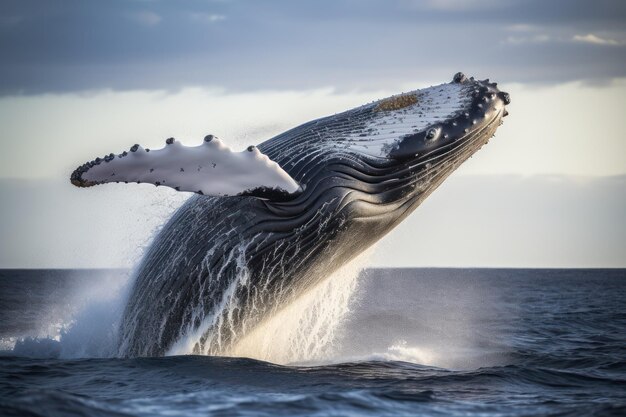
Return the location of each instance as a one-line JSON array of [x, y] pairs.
[[397, 102]]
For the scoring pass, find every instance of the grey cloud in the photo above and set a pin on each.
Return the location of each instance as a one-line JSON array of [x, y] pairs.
[[597, 40], [240, 45], [206, 17]]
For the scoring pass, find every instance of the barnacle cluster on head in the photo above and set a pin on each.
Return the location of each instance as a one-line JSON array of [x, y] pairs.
[[397, 102]]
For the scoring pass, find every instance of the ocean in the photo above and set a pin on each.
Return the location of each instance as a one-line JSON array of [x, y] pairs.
[[431, 342]]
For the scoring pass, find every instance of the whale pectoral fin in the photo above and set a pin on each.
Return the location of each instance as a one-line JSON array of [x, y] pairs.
[[211, 169]]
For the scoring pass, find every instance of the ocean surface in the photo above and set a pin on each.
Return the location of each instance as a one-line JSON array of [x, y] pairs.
[[440, 342]]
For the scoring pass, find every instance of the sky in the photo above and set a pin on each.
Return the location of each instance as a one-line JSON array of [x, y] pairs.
[[85, 78]]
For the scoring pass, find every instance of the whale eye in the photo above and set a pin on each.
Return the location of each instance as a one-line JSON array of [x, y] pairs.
[[431, 134]]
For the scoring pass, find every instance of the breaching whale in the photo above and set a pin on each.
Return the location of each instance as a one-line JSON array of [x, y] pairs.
[[272, 221]]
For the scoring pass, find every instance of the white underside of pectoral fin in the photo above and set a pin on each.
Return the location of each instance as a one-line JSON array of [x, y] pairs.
[[211, 169]]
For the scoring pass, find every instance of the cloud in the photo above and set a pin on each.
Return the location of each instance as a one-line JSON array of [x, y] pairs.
[[596, 40], [347, 44], [521, 27], [146, 18], [206, 17], [517, 40]]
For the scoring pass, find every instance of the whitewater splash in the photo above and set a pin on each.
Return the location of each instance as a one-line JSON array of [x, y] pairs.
[[303, 331], [83, 323], [434, 319]]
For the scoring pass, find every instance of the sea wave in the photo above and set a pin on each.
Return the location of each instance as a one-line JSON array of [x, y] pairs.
[[200, 385], [430, 342]]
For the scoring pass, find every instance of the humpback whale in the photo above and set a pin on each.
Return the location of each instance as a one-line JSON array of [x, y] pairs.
[[270, 222]]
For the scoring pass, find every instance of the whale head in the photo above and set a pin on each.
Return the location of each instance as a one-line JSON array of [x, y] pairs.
[[421, 124], [392, 153]]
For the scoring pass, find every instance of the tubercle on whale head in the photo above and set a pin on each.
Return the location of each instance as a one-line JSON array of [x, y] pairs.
[[486, 104]]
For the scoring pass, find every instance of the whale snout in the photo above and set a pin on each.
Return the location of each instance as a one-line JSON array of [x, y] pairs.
[[484, 106]]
